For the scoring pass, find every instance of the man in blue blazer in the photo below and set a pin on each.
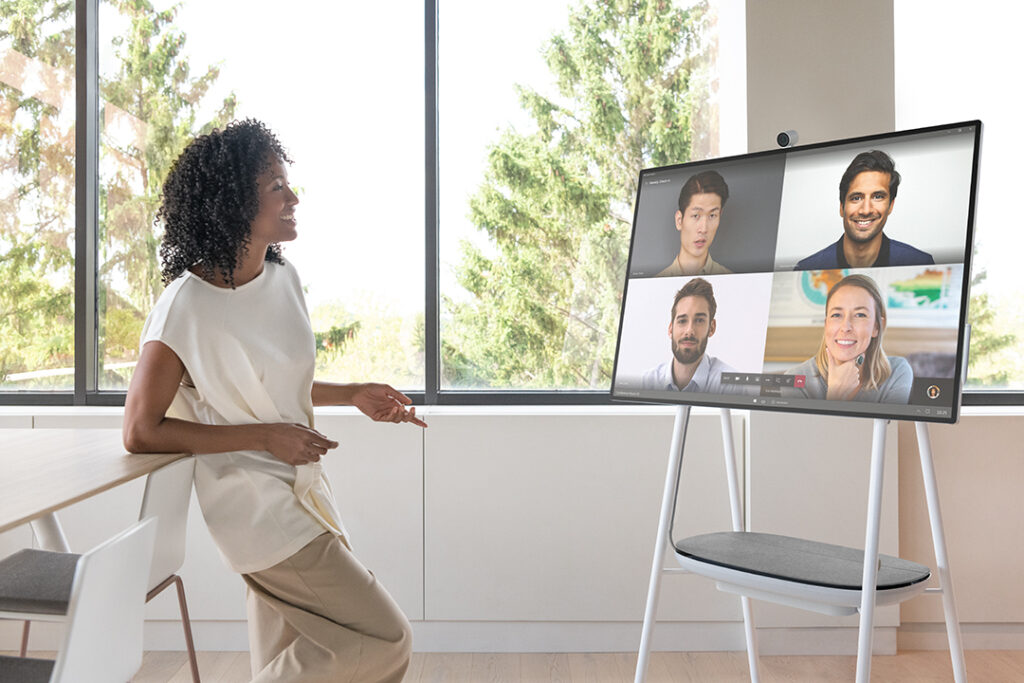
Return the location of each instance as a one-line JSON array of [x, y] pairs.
[[867, 192]]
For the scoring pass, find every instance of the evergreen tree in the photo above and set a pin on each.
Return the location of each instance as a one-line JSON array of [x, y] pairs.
[[37, 169], [555, 201], [151, 92], [990, 341]]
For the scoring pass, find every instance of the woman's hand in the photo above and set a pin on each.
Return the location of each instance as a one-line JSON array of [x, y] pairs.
[[382, 403], [843, 378], [294, 444]]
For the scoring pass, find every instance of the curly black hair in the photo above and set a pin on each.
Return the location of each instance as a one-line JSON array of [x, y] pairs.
[[211, 197]]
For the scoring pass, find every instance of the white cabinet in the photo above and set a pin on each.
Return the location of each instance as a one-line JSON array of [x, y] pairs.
[[553, 518]]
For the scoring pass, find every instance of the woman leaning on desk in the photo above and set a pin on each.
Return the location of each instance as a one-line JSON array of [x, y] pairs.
[[226, 373], [851, 364]]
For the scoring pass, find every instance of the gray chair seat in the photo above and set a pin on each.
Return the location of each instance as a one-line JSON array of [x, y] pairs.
[[798, 560], [37, 581], [25, 670]]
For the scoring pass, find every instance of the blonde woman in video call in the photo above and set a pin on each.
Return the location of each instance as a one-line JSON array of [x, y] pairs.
[[851, 364]]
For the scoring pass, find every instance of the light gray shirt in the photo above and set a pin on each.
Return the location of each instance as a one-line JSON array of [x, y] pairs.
[[895, 389], [706, 379]]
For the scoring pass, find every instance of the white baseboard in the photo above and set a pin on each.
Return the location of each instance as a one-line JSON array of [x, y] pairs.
[[554, 636], [209, 636], [475, 636], [442, 636], [820, 640], [975, 636]]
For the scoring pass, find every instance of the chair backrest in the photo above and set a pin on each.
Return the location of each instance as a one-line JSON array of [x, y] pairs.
[[103, 642], [168, 491]]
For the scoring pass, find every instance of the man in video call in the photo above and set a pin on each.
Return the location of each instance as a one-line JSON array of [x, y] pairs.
[[701, 201], [867, 193], [692, 324]]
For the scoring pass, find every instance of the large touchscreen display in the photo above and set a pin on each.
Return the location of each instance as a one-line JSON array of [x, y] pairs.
[[830, 278]]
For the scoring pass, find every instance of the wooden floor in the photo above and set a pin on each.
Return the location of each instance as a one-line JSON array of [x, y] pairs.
[[983, 666]]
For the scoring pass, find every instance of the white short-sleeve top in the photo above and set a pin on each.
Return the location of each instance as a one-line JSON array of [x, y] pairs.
[[249, 356]]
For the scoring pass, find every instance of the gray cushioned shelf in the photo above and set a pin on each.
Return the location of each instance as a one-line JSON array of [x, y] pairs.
[[798, 560], [37, 581]]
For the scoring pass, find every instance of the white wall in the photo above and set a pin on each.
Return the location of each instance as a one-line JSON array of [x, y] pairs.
[[821, 67], [533, 528], [526, 529]]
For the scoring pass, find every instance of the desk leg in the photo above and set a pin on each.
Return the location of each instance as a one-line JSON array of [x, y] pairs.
[[49, 534]]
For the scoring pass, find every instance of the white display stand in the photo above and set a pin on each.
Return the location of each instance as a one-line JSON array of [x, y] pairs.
[[776, 568]]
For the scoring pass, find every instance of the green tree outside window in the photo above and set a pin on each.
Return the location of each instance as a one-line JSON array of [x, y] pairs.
[[634, 91]]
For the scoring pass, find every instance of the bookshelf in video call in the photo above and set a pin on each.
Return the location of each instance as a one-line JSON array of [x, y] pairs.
[[809, 575]]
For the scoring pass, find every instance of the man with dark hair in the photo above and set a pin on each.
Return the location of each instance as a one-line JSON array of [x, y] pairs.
[[867, 192], [701, 201], [692, 324]]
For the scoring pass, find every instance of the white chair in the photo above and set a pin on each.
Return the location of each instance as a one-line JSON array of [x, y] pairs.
[[167, 495], [168, 491], [103, 642]]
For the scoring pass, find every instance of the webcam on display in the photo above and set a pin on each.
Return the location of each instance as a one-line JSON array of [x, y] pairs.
[[786, 138]]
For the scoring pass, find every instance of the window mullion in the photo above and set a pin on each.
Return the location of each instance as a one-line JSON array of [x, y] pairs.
[[432, 336], [86, 197]]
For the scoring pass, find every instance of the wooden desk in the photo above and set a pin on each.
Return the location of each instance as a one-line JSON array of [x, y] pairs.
[[44, 470]]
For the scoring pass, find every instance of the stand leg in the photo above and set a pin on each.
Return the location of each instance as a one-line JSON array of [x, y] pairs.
[[931, 491], [729, 449], [753, 662], [870, 578], [675, 458], [738, 524]]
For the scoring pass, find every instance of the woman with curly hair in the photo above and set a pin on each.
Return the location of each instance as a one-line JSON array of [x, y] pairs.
[[226, 373]]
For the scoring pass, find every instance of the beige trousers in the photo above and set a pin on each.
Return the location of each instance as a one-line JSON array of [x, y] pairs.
[[321, 616]]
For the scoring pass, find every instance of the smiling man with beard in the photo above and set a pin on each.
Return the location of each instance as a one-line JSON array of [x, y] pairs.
[[692, 324], [867, 193]]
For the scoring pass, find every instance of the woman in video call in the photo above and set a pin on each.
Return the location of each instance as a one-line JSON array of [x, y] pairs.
[[850, 364]]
